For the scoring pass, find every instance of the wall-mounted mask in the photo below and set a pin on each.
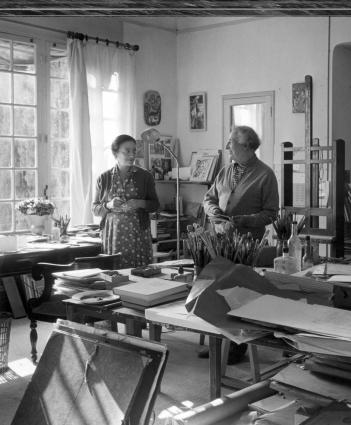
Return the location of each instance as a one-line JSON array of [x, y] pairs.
[[152, 107]]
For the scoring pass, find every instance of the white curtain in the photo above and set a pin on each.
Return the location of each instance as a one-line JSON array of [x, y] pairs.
[[107, 102]]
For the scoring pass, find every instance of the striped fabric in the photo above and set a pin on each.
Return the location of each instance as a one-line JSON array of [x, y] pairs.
[[238, 172]]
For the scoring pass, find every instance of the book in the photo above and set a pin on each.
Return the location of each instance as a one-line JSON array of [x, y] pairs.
[[163, 300], [149, 292]]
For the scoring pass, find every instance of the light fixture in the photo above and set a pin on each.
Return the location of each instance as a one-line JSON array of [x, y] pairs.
[[151, 135]]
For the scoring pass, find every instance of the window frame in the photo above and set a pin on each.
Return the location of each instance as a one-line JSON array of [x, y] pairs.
[[43, 42]]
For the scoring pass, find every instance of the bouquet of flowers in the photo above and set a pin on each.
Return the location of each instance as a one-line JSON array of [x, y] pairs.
[[36, 206]]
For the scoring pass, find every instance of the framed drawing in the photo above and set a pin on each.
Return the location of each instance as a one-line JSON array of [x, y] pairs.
[[201, 166], [298, 97], [197, 111]]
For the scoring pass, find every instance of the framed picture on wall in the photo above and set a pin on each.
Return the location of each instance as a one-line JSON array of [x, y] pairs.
[[198, 111]]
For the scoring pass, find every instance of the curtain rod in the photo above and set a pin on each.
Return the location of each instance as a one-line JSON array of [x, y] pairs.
[[118, 44]]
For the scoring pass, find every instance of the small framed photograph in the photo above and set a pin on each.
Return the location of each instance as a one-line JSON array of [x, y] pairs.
[[198, 111]]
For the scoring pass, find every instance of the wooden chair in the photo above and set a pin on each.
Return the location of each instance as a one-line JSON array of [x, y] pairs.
[[48, 307]]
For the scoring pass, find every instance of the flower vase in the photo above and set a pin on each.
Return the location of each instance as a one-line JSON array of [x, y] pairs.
[[37, 223]]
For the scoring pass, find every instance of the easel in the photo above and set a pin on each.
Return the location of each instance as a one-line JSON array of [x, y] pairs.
[[331, 158]]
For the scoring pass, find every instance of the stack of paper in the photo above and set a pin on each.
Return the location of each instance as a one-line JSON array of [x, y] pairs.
[[151, 292]]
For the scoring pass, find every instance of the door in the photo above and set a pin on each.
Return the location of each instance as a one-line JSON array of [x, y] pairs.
[[255, 110]]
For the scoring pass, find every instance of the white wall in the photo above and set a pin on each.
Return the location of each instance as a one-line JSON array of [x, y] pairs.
[[267, 54], [156, 69]]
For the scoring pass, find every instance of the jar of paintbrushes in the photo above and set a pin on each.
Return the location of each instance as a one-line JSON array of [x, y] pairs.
[[206, 245]]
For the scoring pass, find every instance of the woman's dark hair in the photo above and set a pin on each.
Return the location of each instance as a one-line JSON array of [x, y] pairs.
[[252, 139], [119, 140]]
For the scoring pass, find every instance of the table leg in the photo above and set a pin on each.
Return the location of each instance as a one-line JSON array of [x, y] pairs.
[[215, 366], [155, 332], [254, 363], [133, 327]]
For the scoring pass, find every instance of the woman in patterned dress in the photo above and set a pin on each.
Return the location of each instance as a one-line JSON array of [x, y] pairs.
[[124, 197]]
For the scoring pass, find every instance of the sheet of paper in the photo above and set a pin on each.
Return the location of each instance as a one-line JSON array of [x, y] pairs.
[[332, 269], [317, 343], [238, 296], [82, 273], [315, 319], [340, 278]]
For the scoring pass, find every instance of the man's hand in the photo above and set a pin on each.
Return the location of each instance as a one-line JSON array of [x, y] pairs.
[[238, 220]]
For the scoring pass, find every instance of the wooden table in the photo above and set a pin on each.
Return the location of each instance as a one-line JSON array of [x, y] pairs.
[[15, 264]]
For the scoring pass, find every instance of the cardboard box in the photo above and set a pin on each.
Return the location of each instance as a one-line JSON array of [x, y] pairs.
[[114, 277]]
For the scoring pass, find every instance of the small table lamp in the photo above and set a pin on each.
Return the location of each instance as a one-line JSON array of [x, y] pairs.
[[151, 135]]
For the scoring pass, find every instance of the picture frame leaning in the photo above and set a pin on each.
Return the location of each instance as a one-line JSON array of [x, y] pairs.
[[198, 111]]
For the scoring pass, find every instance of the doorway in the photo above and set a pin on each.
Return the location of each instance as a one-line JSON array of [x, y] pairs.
[[255, 110]]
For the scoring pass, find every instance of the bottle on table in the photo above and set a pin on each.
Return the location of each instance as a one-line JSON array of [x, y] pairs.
[[285, 264], [295, 246], [55, 233], [307, 259]]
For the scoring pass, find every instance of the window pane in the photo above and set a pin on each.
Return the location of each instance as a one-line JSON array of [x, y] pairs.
[[21, 222], [5, 56], [24, 89], [5, 120], [58, 63], [5, 217], [60, 154], [6, 184], [25, 119], [59, 124], [25, 152], [5, 152], [59, 94], [5, 87], [62, 208], [25, 184], [23, 57], [59, 184]]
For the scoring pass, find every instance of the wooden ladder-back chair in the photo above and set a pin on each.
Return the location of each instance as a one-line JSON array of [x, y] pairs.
[[48, 307]]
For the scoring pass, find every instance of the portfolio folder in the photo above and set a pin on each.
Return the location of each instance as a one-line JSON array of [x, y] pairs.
[[91, 376]]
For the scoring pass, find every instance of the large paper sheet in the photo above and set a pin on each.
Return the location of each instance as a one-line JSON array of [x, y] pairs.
[[316, 319], [205, 301]]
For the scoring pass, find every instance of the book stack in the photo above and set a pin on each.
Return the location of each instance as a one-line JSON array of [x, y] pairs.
[[148, 293]]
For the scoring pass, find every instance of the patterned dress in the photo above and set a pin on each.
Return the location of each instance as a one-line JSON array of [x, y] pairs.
[[124, 231]]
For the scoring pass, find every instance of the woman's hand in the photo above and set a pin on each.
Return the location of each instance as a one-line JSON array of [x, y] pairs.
[[115, 203]]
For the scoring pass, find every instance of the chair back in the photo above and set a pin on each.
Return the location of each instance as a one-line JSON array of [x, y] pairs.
[[102, 261]]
